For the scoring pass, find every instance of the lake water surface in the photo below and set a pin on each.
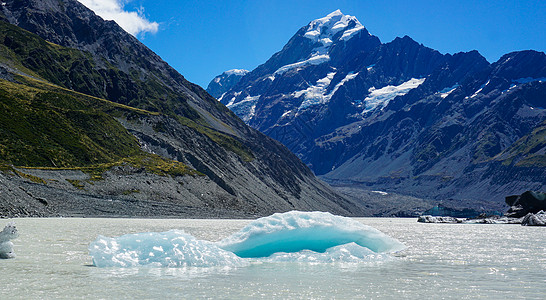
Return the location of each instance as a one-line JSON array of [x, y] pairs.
[[442, 261]]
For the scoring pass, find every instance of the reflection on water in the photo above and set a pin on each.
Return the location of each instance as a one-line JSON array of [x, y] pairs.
[[441, 261]]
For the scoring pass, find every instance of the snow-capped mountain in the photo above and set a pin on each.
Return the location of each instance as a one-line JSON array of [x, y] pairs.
[[399, 115], [80, 93], [225, 81]]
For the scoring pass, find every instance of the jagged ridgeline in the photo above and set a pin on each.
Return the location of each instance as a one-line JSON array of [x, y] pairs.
[[401, 117], [94, 123]]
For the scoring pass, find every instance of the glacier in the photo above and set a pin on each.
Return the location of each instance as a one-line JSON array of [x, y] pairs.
[[9, 233], [282, 237]]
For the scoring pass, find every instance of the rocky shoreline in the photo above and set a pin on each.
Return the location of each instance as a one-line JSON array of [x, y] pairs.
[[527, 209]]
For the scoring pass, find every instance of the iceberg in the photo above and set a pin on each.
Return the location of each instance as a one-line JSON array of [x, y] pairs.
[[295, 231], [172, 248], [283, 237], [6, 246], [348, 253]]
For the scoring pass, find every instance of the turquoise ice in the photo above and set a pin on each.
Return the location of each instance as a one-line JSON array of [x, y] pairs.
[[293, 236]]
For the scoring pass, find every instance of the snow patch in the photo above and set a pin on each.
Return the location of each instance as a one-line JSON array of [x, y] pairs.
[[232, 101], [445, 92], [381, 97], [240, 72], [317, 94], [313, 60], [480, 89], [246, 108], [324, 29]]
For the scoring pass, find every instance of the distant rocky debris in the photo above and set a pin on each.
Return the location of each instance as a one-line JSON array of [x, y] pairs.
[[528, 209], [438, 219], [478, 220]]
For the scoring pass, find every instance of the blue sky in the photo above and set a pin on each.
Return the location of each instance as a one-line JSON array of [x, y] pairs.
[[201, 39]]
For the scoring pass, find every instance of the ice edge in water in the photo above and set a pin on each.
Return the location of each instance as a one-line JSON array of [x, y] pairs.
[[282, 237]]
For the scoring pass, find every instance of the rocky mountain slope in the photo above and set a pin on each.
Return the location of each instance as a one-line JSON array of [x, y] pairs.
[[399, 116], [224, 82], [95, 123]]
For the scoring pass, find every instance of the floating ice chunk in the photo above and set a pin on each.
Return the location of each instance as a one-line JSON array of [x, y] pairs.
[[295, 231], [6, 246], [159, 249], [347, 253]]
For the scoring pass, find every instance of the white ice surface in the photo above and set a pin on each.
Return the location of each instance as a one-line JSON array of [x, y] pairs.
[[159, 249], [313, 60], [381, 97], [6, 235], [293, 236], [296, 231], [317, 94]]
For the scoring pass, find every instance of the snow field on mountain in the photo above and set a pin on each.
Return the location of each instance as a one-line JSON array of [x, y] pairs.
[[381, 97]]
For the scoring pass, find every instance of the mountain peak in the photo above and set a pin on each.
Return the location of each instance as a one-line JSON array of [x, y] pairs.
[[335, 26], [239, 72]]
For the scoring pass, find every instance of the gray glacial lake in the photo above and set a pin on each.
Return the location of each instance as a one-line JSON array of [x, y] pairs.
[[442, 261]]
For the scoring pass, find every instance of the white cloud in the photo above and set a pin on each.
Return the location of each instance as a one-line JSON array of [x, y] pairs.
[[133, 22]]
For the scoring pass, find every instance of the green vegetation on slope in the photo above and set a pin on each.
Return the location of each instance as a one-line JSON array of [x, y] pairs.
[[53, 129], [528, 148], [75, 70], [47, 127]]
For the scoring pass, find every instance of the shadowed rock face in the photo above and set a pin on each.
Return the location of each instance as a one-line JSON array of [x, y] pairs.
[[243, 172], [528, 202], [402, 117]]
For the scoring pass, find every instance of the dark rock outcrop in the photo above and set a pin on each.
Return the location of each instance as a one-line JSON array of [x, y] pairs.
[[529, 202]]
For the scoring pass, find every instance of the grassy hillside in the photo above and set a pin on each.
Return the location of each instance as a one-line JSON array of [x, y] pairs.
[[46, 123], [529, 151]]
